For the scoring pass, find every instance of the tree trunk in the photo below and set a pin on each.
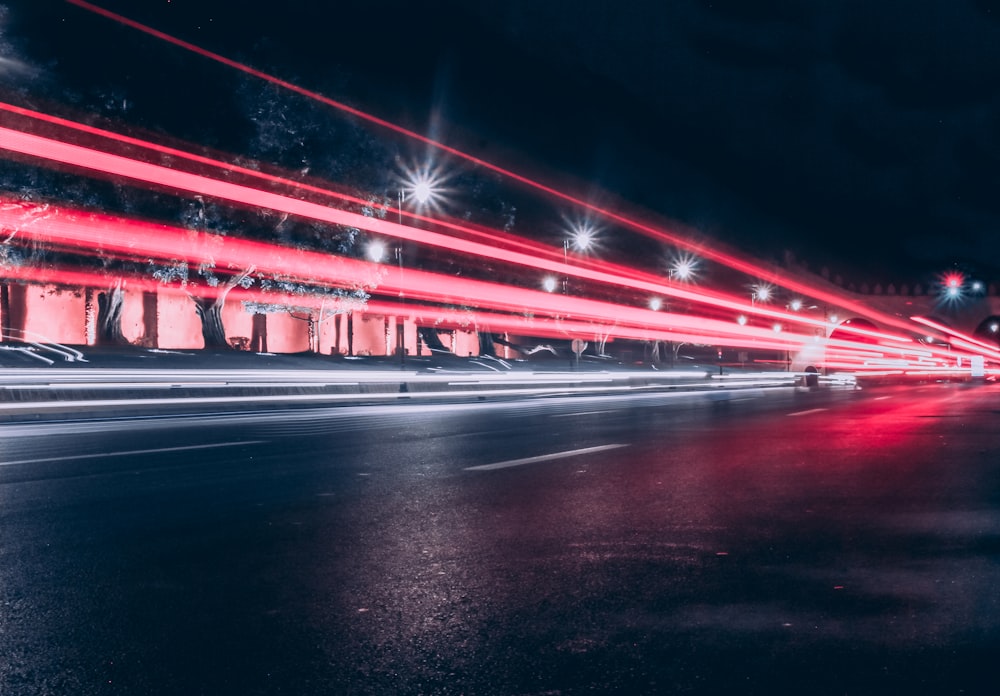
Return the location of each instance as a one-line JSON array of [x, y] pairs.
[[212, 331], [258, 337], [15, 316], [109, 316], [210, 312], [486, 344], [150, 319], [431, 339], [4, 311], [313, 333]]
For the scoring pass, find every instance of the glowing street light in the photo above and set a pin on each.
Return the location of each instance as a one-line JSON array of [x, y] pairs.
[[656, 304], [549, 284], [376, 250], [684, 268], [795, 305], [582, 236], [761, 292], [424, 185], [741, 320], [953, 284]]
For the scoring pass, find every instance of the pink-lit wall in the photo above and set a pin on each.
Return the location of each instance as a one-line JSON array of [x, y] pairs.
[[178, 325], [286, 334], [53, 314], [61, 315], [133, 326]]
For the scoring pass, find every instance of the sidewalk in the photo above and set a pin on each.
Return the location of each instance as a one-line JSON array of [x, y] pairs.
[[76, 378]]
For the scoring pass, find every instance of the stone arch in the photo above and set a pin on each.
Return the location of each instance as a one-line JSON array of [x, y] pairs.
[[989, 328]]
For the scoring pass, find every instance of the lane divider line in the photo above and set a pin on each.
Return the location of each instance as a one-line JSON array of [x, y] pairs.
[[542, 458], [130, 453], [811, 410]]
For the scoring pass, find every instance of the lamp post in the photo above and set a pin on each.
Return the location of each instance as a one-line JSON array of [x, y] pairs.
[[761, 292], [682, 268], [421, 187], [581, 238]]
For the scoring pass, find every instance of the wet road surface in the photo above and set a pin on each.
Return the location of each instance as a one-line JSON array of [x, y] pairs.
[[832, 542]]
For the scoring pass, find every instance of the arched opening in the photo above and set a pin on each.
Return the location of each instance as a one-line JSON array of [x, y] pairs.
[[989, 329], [842, 333]]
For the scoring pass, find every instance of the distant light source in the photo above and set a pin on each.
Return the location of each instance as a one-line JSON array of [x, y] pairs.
[[684, 267], [422, 192], [583, 235], [834, 318], [795, 305], [656, 304], [425, 186], [994, 327], [777, 328], [549, 284], [741, 320], [761, 292], [375, 250]]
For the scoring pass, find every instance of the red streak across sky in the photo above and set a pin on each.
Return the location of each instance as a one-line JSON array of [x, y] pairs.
[[540, 257], [731, 260]]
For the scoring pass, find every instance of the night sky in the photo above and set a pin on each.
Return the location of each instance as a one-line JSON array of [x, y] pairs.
[[863, 136]]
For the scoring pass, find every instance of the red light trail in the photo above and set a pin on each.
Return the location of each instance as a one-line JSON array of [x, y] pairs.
[[108, 163], [728, 259], [89, 231], [569, 313], [558, 316]]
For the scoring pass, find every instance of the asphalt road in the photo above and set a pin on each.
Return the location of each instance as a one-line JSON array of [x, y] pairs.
[[755, 542]]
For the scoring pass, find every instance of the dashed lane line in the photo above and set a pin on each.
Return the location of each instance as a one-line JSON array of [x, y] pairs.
[[807, 411], [132, 453], [543, 458]]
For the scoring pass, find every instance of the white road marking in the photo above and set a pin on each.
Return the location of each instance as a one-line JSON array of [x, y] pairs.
[[542, 458], [583, 413], [811, 410], [130, 453], [880, 398]]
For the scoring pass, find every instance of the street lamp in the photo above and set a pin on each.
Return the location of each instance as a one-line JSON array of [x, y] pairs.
[[376, 250], [582, 238], [683, 268], [656, 304], [761, 292], [423, 186]]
